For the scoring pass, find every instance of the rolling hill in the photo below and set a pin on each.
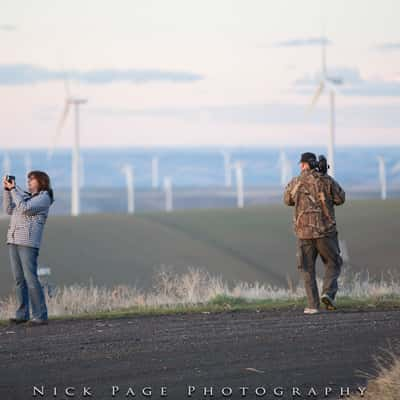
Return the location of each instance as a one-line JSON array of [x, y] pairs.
[[252, 244]]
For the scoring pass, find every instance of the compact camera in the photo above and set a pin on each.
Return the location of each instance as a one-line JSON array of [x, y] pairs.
[[10, 178]]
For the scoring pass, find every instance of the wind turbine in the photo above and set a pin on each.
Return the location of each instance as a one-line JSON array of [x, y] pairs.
[[344, 251], [330, 84], [154, 172], [396, 168], [6, 164], [286, 168], [75, 103], [168, 194], [81, 171], [227, 168], [238, 166], [382, 177], [28, 163], [130, 187]]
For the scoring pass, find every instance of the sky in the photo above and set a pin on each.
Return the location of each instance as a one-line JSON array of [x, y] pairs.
[[199, 73]]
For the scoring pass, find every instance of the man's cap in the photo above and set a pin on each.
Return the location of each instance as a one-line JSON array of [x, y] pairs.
[[308, 157]]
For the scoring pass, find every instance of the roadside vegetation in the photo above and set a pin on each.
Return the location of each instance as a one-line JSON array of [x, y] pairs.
[[385, 385], [198, 291]]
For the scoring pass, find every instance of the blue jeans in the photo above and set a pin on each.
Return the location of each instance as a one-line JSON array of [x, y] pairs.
[[28, 287]]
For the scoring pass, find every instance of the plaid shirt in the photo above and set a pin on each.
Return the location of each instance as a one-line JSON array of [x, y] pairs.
[[28, 216]]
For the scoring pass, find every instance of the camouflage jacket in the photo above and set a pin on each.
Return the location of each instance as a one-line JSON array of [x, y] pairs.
[[313, 196]]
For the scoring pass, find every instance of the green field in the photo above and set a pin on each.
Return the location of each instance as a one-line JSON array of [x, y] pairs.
[[241, 245]]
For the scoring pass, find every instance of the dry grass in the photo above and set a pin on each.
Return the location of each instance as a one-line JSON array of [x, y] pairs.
[[386, 384], [195, 287]]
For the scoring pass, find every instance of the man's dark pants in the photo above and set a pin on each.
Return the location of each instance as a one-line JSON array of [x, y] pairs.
[[307, 252]]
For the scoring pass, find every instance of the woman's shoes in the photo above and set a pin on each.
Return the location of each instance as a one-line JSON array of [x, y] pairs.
[[17, 321], [37, 322], [32, 322]]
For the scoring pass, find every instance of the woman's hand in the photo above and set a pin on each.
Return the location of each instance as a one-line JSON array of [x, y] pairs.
[[7, 185]]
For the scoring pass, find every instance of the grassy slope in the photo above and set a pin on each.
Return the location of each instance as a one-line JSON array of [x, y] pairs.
[[250, 244], [264, 236]]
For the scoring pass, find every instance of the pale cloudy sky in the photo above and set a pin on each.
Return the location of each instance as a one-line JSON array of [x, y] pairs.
[[199, 72]]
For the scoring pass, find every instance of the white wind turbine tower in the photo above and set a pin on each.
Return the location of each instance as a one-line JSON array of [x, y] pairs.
[[238, 167], [28, 163], [330, 84], [6, 164], [128, 171], [227, 168], [154, 172], [286, 168], [168, 194], [75, 102], [81, 171], [289, 172], [344, 251], [382, 177]]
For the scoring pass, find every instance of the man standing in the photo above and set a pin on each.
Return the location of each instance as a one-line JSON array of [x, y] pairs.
[[314, 195]]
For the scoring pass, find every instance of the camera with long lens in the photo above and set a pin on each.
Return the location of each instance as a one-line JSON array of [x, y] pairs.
[[322, 165]]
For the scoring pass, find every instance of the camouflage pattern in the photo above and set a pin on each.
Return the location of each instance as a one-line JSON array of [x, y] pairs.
[[313, 196]]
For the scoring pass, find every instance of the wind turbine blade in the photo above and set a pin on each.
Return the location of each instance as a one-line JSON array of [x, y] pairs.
[[317, 95], [323, 57], [396, 168], [67, 88], [60, 125], [332, 84], [66, 83], [63, 118]]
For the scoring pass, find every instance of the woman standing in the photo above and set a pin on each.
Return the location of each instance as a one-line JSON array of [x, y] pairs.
[[28, 212]]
